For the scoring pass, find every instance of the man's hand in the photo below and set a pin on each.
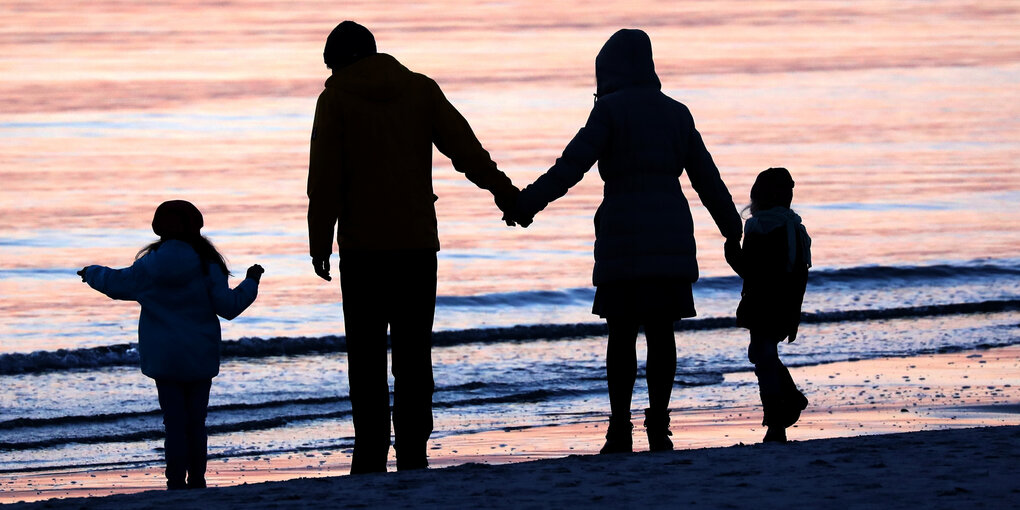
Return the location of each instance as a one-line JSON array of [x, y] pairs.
[[255, 272], [322, 268]]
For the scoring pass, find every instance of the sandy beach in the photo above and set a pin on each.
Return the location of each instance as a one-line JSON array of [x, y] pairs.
[[841, 445], [964, 468]]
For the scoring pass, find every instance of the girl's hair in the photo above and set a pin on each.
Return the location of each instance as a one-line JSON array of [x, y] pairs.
[[181, 220], [772, 188], [207, 253]]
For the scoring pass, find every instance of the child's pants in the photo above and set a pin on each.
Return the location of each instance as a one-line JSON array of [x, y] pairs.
[[773, 376], [775, 385], [184, 406]]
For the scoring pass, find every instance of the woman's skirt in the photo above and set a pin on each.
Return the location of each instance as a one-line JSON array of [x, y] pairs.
[[645, 299]]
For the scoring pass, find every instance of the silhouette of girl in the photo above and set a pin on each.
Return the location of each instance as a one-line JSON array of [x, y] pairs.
[[773, 262], [644, 235], [181, 283]]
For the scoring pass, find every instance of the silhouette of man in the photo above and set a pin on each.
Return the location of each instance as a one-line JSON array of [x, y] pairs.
[[370, 176]]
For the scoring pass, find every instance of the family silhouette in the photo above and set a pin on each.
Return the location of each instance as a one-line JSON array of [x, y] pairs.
[[370, 189]]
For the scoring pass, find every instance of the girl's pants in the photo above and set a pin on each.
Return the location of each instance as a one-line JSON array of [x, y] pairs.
[[621, 363], [774, 381], [184, 406], [395, 289]]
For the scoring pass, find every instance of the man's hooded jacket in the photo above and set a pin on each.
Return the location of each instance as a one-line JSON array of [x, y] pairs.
[[370, 169]]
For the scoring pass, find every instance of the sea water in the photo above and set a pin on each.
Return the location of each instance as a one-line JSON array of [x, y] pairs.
[[899, 122]]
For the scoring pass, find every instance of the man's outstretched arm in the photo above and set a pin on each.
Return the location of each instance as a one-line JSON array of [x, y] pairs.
[[454, 138]]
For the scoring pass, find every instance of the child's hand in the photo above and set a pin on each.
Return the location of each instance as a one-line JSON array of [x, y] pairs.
[[732, 251], [255, 272], [81, 273]]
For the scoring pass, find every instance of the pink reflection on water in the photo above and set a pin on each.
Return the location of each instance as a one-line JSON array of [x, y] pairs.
[[898, 120]]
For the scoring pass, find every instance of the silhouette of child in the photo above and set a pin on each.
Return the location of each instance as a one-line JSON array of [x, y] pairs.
[[181, 283], [773, 263]]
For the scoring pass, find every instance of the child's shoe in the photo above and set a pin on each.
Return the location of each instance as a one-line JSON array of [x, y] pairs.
[[775, 435]]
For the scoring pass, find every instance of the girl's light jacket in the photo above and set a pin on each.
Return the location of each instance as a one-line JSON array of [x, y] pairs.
[[178, 329]]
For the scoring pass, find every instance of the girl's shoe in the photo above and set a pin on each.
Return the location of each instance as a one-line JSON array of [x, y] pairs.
[[791, 407], [775, 435]]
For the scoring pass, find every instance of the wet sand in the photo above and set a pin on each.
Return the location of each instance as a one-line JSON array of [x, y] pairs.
[[848, 399]]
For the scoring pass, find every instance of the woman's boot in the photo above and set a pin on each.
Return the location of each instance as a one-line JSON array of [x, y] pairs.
[[618, 437], [657, 428]]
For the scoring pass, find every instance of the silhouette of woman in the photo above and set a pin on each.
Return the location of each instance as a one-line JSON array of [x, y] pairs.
[[181, 283], [644, 247]]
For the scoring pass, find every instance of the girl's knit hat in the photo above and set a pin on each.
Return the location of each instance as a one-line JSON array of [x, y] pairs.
[[773, 188], [177, 219]]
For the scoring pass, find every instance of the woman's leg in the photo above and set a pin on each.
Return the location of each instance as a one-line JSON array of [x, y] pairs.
[[660, 369], [621, 364], [621, 370]]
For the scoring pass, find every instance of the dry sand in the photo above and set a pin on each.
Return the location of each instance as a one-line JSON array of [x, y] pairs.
[[949, 468]]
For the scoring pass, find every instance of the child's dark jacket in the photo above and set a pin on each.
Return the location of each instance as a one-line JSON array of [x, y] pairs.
[[774, 280]]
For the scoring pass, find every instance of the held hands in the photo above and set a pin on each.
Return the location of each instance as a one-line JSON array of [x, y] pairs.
[[512, 214], [321, 267], [255, 272]]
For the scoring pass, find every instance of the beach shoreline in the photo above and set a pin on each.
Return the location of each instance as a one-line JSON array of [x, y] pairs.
[[851, 399]]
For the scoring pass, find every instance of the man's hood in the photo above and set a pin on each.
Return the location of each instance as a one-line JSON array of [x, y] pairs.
[[625, 61], [377, 77]]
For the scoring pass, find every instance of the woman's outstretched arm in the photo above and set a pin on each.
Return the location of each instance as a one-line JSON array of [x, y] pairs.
[[711, 189], [578, 157]]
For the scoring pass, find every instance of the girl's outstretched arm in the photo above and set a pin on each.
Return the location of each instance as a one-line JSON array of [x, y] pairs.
[[121, 284], [229, 303]]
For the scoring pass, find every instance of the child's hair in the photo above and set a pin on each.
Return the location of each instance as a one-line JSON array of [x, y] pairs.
[[772, 188], [181, 220]]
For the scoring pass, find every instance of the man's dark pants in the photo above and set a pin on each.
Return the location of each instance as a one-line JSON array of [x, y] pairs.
[[398, 289], [184, 406]]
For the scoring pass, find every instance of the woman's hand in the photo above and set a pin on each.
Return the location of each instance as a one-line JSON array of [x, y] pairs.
[[255, 272], [81, 273]]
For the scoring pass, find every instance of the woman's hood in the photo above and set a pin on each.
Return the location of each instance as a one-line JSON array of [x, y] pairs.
[[625, 61]]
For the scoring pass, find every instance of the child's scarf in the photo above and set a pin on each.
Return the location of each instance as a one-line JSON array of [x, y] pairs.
[[763, 222]]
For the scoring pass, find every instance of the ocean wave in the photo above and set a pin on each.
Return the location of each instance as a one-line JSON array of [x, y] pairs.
[[463, 396], [244, 425], [127, 354]]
